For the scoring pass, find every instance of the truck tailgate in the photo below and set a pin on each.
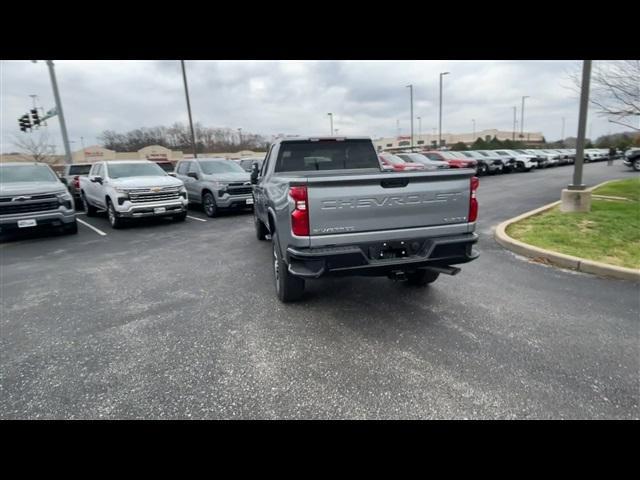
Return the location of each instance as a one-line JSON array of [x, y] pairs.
[[387, 201]]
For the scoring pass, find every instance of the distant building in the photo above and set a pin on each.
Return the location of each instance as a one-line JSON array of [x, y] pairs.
[[431, 140]]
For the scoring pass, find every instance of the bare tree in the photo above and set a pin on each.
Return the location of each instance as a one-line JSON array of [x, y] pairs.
[[615, 91], [37, 146]]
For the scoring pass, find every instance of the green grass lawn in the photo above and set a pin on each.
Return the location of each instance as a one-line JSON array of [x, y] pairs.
[[610, 233]]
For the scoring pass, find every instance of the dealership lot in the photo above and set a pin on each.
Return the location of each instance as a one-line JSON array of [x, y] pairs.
[[180, 320]]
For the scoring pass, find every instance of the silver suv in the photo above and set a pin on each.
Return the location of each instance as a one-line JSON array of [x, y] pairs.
[[31, 196], [215, 183]]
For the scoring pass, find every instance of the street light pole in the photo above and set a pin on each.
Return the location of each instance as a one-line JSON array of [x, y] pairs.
[[440, 112], [514, 123], [419, 128], [522, 118], [186, 92], [63, 125], [410, 87], [582, 127], [331, 122]]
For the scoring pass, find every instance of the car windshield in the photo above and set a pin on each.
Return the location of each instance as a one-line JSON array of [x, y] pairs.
[[414, 157], [521, 151], [166, 166], [210, 167], [484, 154], [26, 173], [142, 169], [467, 154], [450, 155], [79, 169], [393, 159]]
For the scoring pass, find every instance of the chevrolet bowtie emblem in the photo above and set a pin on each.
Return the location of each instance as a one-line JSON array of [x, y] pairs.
[[20, 199], [155, 189]]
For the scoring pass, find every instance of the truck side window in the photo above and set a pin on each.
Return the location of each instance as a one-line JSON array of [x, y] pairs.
[[193, 167], [183, 168]]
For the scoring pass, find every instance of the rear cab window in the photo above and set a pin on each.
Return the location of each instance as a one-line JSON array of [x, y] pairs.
[[79, 169], [305, 155]]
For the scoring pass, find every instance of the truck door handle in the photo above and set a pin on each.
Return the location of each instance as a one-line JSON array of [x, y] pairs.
[[394, 183]]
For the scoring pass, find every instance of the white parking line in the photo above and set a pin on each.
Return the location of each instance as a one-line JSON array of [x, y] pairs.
[[99, 232], [196, 218]]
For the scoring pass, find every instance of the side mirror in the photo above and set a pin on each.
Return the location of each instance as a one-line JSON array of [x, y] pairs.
[[171, 174], [64, 180], [192, 175], [254, 173], [97, 179]]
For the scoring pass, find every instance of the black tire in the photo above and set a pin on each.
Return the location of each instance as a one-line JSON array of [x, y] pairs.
[[114, 220], [209, 205], [71, 228], [288, 287], [422, 277], [181, 217], [261, 229], [482, 169], [636, 164], [90, 210]]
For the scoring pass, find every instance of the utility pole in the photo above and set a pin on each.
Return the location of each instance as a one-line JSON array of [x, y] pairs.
[[419, 128], [514, 123], [440, 112], [410, 87], [575, 198], [522, 119], [56, 96], [240, 135], [186, 92], [331, 122]]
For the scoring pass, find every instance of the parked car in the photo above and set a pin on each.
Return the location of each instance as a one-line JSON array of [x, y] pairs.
[[165, 165], [247, 163], [398, 164], [632, 158], [216, 183], [129, 189], [487, 163], [70, 176], [33, 196], [545, 159], [428, 163], [593, 155], [348, 218], [524, 161], [453, 159]]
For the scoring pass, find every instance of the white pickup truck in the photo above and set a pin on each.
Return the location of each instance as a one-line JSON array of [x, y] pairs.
[[132, 189]]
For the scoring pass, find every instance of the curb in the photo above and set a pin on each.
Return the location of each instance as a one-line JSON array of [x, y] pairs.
[[560, 259]]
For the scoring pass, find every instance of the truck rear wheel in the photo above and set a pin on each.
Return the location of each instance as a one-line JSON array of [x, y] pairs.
[[90, 210], [261, 230], [422, 277], [288, 287]]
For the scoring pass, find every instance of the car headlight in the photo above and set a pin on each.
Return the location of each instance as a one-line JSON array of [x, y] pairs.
[[65, 199], [121, 190]]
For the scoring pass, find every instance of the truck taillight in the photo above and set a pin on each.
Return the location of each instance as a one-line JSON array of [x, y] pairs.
[[300, 214], [76, 181], [473, 201]]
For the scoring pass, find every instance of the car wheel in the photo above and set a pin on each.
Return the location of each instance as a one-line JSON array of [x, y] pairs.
[[71, 228], [422, 277], [209, 205], [483, 169], [288, 287], [180, 217], [261, 230], [114, 221], [636, 164], [89, 209]]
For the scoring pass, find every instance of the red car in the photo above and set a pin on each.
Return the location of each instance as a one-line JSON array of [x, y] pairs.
[[454, 159], [399, 165]]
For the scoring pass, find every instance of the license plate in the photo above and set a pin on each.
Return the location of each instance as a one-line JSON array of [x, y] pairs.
[[159, 210], [249, 201], [27, 223]]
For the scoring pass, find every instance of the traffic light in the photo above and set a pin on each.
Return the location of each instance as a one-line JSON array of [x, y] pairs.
[[35, 117], [25, 123]]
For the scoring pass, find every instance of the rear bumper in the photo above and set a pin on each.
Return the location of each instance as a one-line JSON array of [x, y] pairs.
[[382, 258]]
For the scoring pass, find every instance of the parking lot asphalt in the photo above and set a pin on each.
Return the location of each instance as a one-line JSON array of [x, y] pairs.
[[181, 320]]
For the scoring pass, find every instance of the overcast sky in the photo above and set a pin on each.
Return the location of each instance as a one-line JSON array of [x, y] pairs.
[[294, 97]]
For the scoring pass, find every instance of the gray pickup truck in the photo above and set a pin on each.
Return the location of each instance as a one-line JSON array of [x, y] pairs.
[[32, 196], [215, 183], [70, 176], [330, 210]]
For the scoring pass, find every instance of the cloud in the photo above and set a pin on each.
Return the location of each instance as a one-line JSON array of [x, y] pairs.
[[293, 97]]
